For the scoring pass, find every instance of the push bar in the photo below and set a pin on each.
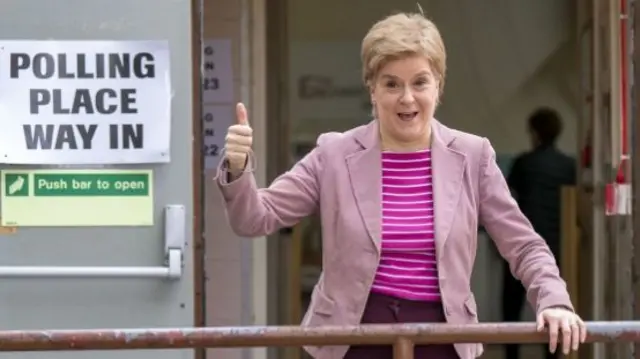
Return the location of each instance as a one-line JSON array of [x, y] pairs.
[[174, 237]]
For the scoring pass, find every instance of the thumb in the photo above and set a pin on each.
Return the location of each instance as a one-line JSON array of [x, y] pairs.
[[241, 115]]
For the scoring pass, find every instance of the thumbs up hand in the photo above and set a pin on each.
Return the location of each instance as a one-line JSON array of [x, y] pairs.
[[238, 142]]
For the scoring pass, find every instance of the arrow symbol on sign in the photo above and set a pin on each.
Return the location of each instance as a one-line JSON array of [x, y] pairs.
[[17, 185]]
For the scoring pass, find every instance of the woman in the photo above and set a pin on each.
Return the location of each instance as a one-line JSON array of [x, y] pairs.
[[400, 201]]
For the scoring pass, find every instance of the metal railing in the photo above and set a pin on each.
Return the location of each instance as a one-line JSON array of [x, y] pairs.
[[402, 336]]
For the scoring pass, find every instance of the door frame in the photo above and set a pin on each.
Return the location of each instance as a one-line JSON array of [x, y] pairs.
[[283, 253], [197, 172]]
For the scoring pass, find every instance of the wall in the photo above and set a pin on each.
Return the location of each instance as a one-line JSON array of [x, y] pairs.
[[555, 85], [501, 64], [235, 268]]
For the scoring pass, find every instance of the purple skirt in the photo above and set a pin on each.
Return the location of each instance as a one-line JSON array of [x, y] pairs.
[[383, 309]]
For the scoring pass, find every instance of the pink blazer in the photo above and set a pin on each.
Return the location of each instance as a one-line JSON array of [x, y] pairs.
[[341, 178]]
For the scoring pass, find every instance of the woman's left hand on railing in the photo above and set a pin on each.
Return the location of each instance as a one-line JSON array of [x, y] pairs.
[[561, 321]]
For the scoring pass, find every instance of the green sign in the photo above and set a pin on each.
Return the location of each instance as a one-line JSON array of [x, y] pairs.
[[77, 198], [16, 185]]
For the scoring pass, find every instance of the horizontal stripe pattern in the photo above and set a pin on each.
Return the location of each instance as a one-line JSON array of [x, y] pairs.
[[407, 267]]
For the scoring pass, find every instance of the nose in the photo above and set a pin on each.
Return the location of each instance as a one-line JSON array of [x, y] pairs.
[[407, 96]]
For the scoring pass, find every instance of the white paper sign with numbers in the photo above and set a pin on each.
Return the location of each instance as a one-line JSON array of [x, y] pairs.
[[217, 81], [84, 102], [216, 121]]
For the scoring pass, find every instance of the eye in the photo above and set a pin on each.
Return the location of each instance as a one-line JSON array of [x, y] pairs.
[[422, 82], [391, 84]]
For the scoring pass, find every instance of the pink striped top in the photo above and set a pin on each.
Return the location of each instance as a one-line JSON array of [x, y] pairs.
[[408, 263]]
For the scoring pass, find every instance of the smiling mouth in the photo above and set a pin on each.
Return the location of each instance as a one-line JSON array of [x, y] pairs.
[[407, 116]]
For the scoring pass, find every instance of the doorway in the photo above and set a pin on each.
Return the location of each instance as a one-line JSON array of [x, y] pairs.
[[502, 65]]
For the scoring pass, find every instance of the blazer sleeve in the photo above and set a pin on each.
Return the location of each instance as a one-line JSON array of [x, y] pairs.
[[529, 257], [256, 212]]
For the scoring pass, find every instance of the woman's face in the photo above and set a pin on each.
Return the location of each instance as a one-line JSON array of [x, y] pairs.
[[405, 95]]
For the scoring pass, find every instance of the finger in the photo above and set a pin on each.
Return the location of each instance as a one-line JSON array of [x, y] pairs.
[[583, 331], [575, 336], [236, 154], [540, 321], [241, 130], [241, 114], [566, 335], [233, 139], [236, 151], [552, 323]]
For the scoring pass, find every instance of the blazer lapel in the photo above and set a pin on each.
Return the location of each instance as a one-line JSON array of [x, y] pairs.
[[448, 170], [365, 174]]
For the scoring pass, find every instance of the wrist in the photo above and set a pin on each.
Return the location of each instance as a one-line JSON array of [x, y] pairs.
[[236, 168]]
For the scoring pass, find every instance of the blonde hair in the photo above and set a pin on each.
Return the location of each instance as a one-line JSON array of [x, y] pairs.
[[398, 36]]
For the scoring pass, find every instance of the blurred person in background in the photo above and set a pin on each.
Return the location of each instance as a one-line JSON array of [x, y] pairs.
[[536, 179]]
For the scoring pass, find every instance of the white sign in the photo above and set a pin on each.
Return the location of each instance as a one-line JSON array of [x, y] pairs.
[[84, 102], [217, 83], [216, 121]]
